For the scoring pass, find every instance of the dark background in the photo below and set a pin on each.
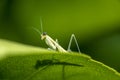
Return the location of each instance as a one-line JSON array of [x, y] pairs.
[[96, 24]]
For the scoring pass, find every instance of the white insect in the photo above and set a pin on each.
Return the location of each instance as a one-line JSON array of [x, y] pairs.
[[54, 45]]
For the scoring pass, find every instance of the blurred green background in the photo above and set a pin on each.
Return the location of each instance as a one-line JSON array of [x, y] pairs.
[[96, 24]]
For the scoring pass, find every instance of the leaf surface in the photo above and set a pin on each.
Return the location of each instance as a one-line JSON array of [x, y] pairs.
[[23, 62]]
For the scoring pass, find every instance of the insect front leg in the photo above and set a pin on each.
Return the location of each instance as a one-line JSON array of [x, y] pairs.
[[56, 41], [71, 38], [50, 44], [50, 49]]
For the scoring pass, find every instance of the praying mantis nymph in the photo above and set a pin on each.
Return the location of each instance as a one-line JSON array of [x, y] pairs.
[[54, 45]]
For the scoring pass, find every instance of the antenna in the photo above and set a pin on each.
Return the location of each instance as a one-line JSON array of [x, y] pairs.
[[37, 30], [41, 25]]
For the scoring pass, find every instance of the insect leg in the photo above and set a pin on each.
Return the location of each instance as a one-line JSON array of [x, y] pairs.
[[50, 49], [73, 37], [56, 40]]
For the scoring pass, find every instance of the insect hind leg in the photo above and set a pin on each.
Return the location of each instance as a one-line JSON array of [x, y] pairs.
[[70, 42]]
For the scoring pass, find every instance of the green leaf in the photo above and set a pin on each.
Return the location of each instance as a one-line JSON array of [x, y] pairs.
[[22, 62]]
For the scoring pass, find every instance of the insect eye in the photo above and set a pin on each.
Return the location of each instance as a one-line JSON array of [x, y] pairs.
[[44, 33]]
